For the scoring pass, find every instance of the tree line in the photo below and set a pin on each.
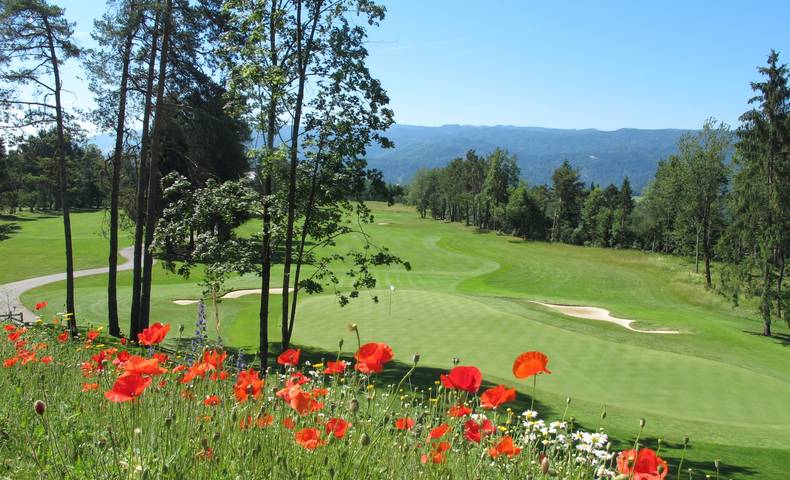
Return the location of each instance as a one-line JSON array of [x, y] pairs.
[[182, 85], [724, 197]]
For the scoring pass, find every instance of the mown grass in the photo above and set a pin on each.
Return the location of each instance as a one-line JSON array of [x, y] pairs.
[[468, 296]]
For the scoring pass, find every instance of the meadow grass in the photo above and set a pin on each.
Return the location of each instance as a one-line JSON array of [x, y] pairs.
[[468, 296]]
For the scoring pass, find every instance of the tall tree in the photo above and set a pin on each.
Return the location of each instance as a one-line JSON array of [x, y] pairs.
[[761, 191], [705, 180], [35, 39], [143, 175], [567, 198], [115, 33], [154, 174]]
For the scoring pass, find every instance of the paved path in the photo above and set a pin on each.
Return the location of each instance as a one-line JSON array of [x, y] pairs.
[[10, 293]]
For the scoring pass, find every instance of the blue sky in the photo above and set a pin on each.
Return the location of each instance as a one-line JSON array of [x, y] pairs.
[[565, 64]]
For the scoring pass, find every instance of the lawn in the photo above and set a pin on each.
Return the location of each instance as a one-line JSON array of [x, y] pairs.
[[468, 294]]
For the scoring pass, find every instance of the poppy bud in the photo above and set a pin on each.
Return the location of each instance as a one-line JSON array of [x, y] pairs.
[[364, 440], [354, 405], [416, 359], [216, 436], [544, 465], [204, 443], [685, 441], [340, 344], [603, 413], [456, 361], [641, 423], [168, 421], [40, 407], [568, 401], [181, 329], [716, 464]]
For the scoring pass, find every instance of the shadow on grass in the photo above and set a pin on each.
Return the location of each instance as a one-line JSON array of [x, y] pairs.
[[780, 338], [672, 452], [8, 229]]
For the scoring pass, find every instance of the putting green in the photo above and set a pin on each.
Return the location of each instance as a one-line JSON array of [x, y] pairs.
[[469, 294]]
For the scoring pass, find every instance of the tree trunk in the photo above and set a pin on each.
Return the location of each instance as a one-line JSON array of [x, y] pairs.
[[706, 253], [60, 155], [303, 238], [112, 292], [154, 175], [696, 253], [303, 56], [266, 261], [142, 184]]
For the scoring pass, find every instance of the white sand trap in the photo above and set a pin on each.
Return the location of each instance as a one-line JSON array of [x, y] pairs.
[[237, 294], [253, 291], [595, 313], [185, 302]]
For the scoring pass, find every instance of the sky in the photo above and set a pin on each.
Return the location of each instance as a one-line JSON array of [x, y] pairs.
[[601, 64]]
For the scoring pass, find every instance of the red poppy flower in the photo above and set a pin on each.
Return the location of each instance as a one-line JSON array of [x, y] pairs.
[[63, 337], [41, 305], [309, 438], [457, 411], [179, 368], [289, 357], [404, 423], [438, 432], [642, 465], [143, 366], [9, 328], [161, 357], [530, 363], [154, 334], [196, 370], [46, 360], [504, 447], [14, 336], [337, 427], [128, 387], [496, 396], [474, 431], [467, 379], [319, 392], [437, 453], [335, 368], [289, 423], [211, 401], [371, 357], [248, 383], [92, 335], [10, 362], [264, 421], [214, 359], [123, 340], [87, 387], [304, 403]]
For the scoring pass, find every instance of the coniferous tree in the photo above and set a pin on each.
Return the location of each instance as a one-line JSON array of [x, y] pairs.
[[37, 36]]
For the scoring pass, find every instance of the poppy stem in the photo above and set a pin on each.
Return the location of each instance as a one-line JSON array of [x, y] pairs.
[[534, 387]]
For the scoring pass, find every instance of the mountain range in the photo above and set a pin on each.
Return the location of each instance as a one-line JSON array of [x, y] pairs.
[[601, 156]]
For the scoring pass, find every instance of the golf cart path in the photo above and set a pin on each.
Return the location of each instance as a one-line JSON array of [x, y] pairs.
[[11, 293], [595, 313]]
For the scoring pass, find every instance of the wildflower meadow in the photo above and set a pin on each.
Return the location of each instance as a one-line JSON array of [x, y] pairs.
[[82, 408]]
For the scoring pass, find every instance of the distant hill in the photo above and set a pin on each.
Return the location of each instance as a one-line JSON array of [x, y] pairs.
[[602, 157]]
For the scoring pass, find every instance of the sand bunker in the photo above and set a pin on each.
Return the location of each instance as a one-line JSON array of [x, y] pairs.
[[253, 291], [237, 294], [185, 302], [595, 313]]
